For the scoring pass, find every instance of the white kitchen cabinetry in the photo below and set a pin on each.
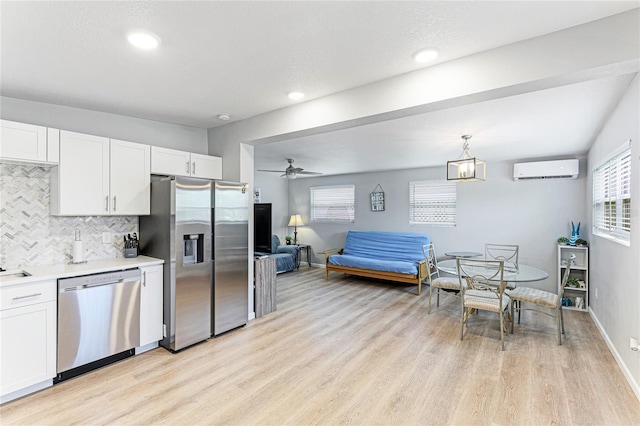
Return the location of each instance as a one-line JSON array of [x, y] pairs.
[[28, 336], [172, 162], [151, 297], [98, 176], [577, 298], [21, 142]]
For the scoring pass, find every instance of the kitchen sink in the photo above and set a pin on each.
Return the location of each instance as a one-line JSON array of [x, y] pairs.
[[14, 274]]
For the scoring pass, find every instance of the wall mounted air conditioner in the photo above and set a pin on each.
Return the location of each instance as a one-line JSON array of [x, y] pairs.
[[558, 169]]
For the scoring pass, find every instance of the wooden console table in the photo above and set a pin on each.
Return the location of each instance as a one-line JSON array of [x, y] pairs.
[[265, 285]]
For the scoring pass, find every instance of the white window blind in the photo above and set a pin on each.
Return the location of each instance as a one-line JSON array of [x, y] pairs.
[[432, 203], [612, 197], [333, 203]]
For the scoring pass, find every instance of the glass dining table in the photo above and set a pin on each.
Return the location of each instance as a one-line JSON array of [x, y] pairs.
[[525, 273]]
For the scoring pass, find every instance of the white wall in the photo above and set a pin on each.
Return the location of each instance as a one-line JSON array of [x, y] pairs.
[[615, 270], [114, 126], [532, 214], [275, 190]]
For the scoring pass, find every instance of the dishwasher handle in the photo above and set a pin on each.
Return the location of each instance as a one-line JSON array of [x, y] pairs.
[[101, 284]]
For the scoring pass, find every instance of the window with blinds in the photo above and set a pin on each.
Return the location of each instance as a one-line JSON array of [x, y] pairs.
[[333, 203], [612, 197], [432, 203]]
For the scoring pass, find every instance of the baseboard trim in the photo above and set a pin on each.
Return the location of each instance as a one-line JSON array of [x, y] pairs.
[[26, 391], [616, 355]]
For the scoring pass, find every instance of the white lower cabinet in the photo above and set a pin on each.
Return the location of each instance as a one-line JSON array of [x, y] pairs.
[[151, 322], [28, 335]]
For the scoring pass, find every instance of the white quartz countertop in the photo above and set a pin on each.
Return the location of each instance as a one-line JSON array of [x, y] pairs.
[[54, 272]]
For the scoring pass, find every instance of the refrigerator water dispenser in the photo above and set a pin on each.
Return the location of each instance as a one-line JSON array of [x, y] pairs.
[[193, 249]]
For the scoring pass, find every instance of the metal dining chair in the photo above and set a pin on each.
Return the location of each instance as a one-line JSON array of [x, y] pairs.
[[484, 290], [505, 252], [543, 299], [434, 280]]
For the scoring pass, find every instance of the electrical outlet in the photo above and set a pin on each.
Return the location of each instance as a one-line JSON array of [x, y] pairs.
[[107, 238], [596, 293], [634, 344]]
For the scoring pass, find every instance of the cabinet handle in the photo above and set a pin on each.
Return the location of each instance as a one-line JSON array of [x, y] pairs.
[[187, 167], [106, 203], [114, 203], [144, 278], [27, 296], [193, 168]]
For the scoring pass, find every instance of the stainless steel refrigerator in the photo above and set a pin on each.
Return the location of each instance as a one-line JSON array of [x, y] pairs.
[[178, 230], [200, 229], [230, 255]]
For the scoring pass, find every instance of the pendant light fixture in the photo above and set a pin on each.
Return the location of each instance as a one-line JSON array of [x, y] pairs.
[[466, 168]]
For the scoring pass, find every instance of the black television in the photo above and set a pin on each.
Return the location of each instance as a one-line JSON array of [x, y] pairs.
[[262, 227]]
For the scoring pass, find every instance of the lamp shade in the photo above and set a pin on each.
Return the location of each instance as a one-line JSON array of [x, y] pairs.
[[295, 220]]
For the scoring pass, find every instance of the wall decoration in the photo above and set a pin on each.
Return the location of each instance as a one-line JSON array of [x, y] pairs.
[[377, 199], [256, 195]]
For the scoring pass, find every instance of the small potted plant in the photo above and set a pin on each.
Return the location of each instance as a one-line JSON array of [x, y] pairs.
[[581, 242], [288, 239], [563, 241], [573, 282]]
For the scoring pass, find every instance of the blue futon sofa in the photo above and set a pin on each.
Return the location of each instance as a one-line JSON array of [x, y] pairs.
[[286, 256], [394, 256]]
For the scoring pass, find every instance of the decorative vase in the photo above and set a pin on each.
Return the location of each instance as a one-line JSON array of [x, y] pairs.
[[575, 234]]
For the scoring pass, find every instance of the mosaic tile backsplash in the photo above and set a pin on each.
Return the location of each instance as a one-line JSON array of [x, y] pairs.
[[30, 236]]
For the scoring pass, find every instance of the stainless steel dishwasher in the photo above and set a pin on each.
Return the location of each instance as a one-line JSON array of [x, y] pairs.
[[98, 320]]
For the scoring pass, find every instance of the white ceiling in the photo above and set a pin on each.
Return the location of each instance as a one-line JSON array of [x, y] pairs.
[[242, 58]]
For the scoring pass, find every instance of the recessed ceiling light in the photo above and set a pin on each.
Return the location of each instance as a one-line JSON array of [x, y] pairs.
[[296, 95], [143, 39], [224, 117], [426, 55]]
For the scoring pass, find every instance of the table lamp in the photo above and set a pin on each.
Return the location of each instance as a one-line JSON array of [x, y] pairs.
[[295, 221]]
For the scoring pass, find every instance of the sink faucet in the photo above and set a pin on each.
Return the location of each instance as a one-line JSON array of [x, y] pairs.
[[2, 269]]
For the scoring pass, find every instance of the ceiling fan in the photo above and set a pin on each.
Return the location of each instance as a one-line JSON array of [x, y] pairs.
[[291, 172]]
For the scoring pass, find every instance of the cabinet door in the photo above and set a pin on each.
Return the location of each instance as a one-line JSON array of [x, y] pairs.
[[130, 174], [151, 305], [165, 161], [206, 166], [81, 185], [19, 141], [28, 352]]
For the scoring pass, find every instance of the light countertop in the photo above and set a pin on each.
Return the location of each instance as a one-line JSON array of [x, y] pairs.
[[54, 272]]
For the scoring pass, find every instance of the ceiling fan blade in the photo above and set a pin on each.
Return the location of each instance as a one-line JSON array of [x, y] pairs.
[[309, 173], [275, 171]]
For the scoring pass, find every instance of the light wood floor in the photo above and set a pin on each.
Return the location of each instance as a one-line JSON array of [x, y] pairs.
[[354, 351]]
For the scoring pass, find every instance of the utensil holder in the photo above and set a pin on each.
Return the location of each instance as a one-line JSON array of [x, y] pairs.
[[131, 252]]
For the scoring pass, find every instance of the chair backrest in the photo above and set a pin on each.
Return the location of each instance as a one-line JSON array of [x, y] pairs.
[[275, 242], [563, 283], [431, 260], [505, 252], [482, 274]]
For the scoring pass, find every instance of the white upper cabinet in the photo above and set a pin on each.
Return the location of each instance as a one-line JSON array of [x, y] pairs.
[[206, 166], [81, 185], [97, 177], [24, 142], [165, 161], [172, 162], [130, 178]]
